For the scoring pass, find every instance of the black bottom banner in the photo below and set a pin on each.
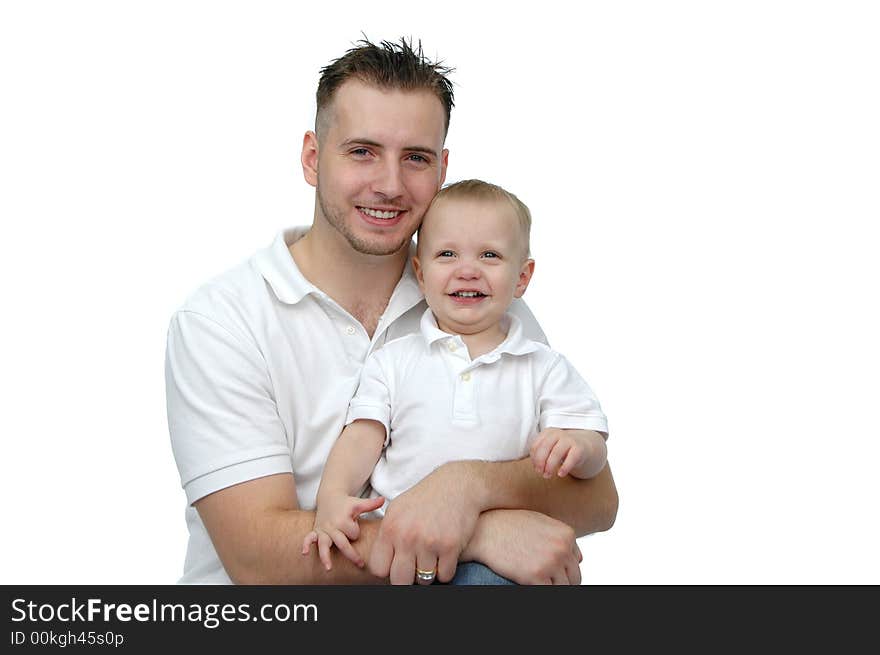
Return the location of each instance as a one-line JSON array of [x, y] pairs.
[[149, 618]]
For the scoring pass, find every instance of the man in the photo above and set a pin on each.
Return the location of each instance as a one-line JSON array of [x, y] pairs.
[[261, 364]]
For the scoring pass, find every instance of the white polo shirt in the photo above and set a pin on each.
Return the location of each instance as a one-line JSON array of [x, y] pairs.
[[260, 367], [439, 405]]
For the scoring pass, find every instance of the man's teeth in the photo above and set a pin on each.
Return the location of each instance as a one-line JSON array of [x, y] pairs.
[[467, 294], [379, 214]]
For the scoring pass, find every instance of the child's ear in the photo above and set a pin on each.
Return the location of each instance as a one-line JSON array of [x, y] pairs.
[[525, 276], [420, 276]]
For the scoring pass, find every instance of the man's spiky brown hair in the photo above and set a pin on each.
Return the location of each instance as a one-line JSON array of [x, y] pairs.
[[388, 66]]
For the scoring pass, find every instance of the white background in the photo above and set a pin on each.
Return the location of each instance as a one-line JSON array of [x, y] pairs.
[[704, 181]]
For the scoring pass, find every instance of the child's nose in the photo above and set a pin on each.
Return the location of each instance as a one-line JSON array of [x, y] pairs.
[[468, 271]]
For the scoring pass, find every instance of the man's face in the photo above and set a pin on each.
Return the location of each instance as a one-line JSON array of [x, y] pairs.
[[379, 162], [471, 263]]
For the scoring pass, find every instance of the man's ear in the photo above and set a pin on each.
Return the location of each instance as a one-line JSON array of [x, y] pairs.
[[444, 162], [309, 158], [525, 276], [420, 275]]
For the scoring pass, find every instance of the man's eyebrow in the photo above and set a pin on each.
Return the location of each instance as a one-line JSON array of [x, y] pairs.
[[360, 142], [367, 142], [423, 149]]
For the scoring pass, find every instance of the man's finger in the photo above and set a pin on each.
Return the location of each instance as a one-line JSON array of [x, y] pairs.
[[559, 578], [425, 562], [403, 568], [381, 555], [446, 566], [573, 572]]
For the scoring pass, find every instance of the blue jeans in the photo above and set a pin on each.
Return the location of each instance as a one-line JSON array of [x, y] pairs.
[[474, 573]]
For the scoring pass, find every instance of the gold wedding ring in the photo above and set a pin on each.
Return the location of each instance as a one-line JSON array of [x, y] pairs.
[[426, 576]]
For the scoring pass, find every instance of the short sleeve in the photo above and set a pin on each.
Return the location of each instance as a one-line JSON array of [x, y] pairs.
[[373, 397], [566, 400], [222, 416]]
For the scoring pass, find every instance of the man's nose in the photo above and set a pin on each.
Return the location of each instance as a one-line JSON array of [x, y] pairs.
[[389, 179]]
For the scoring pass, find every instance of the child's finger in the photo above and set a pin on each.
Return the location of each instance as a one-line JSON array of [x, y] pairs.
[[311, 538], [324, 544], [346, 548], [351, 528], [540, 451], [554, 459], [571, 460], [537, 442], [366, 505], [537, 463]]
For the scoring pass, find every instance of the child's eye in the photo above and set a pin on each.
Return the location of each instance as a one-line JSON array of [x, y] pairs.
[[491, 254], [446, 253]]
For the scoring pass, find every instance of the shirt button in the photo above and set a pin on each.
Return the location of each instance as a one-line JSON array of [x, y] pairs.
[[350, 329], [452, 346], [465, 377]]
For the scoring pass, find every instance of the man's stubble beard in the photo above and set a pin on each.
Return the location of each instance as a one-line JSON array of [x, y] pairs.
[[337, 221]]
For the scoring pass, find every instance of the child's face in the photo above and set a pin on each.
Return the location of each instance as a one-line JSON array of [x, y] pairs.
[[471, 263]]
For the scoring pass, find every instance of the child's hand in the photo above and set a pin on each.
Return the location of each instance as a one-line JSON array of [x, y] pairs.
[[336, 523], [561, 451]]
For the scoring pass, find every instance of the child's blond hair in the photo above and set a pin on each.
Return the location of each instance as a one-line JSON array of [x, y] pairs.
[[480, 190]]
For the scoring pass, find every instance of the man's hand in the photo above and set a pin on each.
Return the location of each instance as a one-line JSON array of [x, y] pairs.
[[526, 547], [581, 453], [427, 527], [336, 521]]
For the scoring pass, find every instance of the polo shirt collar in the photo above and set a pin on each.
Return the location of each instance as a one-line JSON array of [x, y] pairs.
[[280, 271], [407, 293], [516, 342]]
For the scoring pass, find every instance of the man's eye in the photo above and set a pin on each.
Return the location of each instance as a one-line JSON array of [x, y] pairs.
[[360, 152], [420, 159]]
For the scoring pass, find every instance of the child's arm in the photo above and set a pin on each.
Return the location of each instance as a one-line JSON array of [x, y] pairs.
[[573, 426], [580, 453], [352, 459]]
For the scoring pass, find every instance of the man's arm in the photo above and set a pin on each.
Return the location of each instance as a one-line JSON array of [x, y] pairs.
[[588, 506], [526, 547], [257, 529], [440, 514]]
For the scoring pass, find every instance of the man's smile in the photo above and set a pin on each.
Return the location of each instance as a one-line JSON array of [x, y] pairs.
[[385, 214]]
